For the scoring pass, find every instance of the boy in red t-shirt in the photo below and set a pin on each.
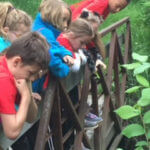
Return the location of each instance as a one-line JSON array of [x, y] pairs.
[[22, 61], [102, 7]]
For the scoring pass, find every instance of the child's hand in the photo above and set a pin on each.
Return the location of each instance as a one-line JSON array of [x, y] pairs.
[[68, 60], [99, 62], [22, 87], [36, 96]]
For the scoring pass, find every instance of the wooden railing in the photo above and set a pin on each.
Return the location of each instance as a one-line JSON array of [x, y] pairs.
[[107, 136], [58, 108]]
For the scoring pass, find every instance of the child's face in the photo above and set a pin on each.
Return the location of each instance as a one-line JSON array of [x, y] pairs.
[[66, 18], [13, 35], [117, 5], [21, 71], [79, 42]]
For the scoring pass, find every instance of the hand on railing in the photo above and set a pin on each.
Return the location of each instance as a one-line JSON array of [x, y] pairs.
[[99, 62]]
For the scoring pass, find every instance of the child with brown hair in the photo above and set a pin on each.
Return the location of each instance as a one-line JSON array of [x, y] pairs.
[[75, 39], [96, 48], [22, 61], [14, 23], [80, 32]]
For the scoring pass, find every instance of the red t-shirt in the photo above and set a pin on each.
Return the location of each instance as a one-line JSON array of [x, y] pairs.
[[99, 6], [66, 43], [8, 90]]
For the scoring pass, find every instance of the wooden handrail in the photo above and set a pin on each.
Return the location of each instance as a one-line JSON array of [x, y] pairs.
[[57, 100], [114, 26], [115, 57]]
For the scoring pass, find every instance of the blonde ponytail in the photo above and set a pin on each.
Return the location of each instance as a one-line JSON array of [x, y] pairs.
[[12, 18], [5, 8]]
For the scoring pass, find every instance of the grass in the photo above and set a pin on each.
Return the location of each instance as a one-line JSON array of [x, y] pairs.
[[30, 6]]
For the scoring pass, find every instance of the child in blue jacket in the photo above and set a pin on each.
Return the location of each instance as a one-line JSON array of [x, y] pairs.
[[54, 17]]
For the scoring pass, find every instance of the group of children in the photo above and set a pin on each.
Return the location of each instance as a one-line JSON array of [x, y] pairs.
[[63, 39]]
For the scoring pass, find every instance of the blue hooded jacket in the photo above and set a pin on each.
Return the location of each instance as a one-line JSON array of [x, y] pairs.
[[4, 44], [57, 66]]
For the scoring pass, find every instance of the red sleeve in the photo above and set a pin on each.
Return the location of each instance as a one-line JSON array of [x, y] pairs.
[[99, 6], [65, 42], [77, 8], [90, 45], [7, 96]]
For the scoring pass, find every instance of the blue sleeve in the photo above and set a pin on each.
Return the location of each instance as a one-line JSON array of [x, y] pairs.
[[37, 85], [58, 49], [58, 67]]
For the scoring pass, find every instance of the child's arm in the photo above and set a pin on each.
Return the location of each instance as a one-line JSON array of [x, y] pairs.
[[77, 63], [58, 65], [99, 62], [68, 60], [13, 123]]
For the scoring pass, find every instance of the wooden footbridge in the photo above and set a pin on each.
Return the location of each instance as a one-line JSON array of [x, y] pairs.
[[61, 121]]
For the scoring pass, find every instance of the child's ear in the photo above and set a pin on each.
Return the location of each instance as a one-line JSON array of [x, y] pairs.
[[17, 61], [71, 35], [6, 29]]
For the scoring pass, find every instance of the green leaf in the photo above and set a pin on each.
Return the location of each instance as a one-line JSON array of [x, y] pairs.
[[131, 66], [127, 112], [147, 4], [146, 117], [133, 89], [142, 80], [140, 58], [145, 98], [141, 143], [141, 68], [133, 130], [148, 134], [139, 148]]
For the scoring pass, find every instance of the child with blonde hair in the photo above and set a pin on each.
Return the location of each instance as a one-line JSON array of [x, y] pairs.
[[14, 23], [53, 18], [80, 32]]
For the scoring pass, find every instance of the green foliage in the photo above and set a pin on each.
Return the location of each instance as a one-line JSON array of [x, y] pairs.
[[127, 112], [131, 66], [133, 130], [143, 67], [133, 89], [146, 117], [145, 98], [139, 58], [142, 80], [140, 67], [141, 143]]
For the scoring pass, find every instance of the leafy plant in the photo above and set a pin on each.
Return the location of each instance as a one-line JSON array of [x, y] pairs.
[[140, 68]]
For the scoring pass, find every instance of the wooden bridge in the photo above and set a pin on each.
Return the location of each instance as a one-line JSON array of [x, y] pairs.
[[59, 110]]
